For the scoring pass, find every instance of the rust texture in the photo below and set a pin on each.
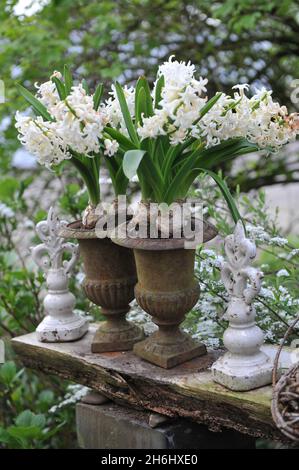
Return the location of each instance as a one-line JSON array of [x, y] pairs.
[[109, 283], [167, 290], [209, 232]]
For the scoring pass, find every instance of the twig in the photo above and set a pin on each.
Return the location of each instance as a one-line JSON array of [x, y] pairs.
[[287, 333]]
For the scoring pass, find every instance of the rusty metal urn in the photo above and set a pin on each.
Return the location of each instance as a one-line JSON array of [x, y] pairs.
[[167, 290], [109, 283]]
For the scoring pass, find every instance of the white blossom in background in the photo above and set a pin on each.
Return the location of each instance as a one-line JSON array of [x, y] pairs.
[[213, 259], [207, 331], [258, 233], [292, 254], [73, 394], [282, 273], [178, 136], [267, 293], [278, 241], [6, 212], [275, 305], [138, 316]]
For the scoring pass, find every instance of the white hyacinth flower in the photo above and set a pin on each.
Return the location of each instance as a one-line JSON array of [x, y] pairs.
[[111, 147]]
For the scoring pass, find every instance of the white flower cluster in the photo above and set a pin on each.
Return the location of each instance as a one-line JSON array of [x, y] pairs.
[[47, 93], [41, 139], [73, 394], [6, 212], [292, 253], [180, 105], [278, 302], [259, 119], [209, 261], [76, 126], [258, 233], [78, 123], [282, 273], [79, 127], [111, 147]]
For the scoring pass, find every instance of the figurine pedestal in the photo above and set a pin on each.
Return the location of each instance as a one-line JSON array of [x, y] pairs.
[[241, 373], [53, 330]]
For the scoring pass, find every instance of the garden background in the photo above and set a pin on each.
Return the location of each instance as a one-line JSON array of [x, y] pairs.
[[230, 42]]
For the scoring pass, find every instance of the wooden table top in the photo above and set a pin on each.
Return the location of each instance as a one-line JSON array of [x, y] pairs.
[[184, 391]]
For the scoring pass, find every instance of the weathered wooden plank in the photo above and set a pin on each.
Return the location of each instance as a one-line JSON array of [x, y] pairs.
[[186, 390]]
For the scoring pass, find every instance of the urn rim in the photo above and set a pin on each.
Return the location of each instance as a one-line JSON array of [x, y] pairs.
[[161, 244], [76, 230]]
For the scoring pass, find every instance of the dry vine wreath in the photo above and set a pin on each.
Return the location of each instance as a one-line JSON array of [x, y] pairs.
[[285, 401]]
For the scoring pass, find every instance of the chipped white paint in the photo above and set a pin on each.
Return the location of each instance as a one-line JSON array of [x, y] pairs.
[[61, 323], [244, 366]]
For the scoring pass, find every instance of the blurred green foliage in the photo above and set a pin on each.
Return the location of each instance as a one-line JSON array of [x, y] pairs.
[[22, 428], [25, 396]]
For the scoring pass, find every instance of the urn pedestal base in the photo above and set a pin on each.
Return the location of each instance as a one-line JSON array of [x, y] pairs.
[[240, 374], [120, 335], [169, 351]]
